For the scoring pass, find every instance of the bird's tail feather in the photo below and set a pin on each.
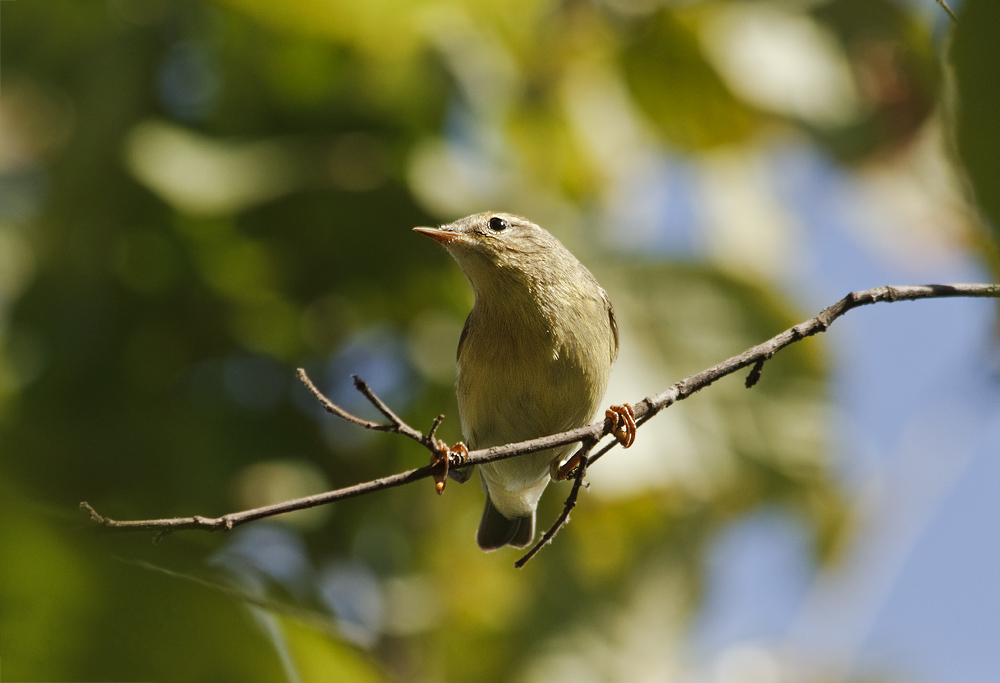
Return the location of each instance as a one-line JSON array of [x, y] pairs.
[[496, 531]]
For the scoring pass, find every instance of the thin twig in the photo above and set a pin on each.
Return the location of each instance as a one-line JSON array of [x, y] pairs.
[[398, 426], [434, 426], [570, 503], [761, 353], [332, 408], [644, 411], [944, 6]]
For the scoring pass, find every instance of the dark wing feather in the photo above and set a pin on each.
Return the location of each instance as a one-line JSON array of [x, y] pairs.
[[465, 333], [614, 325]]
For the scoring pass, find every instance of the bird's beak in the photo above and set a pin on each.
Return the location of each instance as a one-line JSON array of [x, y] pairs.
[[444, 234]]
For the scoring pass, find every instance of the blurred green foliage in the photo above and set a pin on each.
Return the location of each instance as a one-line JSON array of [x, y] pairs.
[[197, 197], [977, 107]]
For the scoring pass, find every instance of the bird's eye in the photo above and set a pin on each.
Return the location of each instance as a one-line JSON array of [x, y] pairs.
[[497, 224]]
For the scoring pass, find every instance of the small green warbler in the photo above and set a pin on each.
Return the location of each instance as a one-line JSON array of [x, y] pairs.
[[533, 360]]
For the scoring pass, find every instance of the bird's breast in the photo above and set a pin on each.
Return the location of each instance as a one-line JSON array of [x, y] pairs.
[[520, 379]]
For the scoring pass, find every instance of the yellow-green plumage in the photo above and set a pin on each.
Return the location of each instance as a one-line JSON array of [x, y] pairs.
[[534, 357]]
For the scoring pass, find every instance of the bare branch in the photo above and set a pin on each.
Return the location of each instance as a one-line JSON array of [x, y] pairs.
[[589, 436], [944, 6], [434, 426], [397, 426], [759, 354], [568, 506], [334, 409]]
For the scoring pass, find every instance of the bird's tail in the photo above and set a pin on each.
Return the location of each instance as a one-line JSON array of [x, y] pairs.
[[496, 531]]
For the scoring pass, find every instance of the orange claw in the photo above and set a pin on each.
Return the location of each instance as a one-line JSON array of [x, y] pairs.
[[441, 458], [622, 423]]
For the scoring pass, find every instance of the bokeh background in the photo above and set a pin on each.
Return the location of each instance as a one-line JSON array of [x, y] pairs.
[[197, 197]]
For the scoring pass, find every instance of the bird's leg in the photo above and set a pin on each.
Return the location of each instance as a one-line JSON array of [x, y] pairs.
[[622, 423], [563, 472], [443, 457]]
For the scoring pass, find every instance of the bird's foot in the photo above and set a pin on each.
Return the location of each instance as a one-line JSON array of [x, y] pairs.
[[444, 458], [621, 421], [566, 470]]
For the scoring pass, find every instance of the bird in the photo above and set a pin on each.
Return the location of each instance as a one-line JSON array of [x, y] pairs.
[[534, 359]]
